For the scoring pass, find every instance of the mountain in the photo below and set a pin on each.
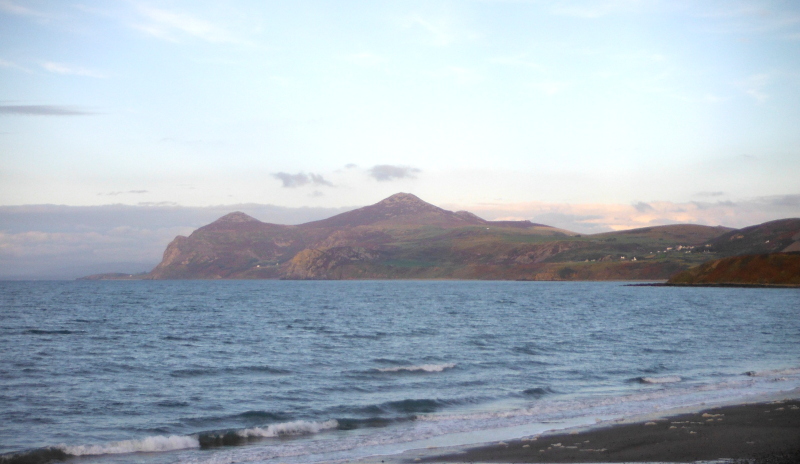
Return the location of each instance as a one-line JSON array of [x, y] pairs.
[[399, 209], [399, 236], [768, 269], [407, 238]]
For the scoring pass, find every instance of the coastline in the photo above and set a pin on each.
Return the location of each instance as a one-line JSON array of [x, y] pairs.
[[767, 431]]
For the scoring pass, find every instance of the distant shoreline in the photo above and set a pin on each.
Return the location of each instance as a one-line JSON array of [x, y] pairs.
[[723, 285]]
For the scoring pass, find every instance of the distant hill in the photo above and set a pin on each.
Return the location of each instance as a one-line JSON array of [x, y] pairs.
[[403, 237], [770, 269], [769, 237]]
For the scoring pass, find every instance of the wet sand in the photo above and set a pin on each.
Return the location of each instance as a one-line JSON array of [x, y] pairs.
[[768, 432]]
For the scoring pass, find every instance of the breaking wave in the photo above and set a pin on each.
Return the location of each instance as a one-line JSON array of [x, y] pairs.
[[289, 428], [238, 437], [145, 445], [657, 380], [161, 443], [420, 368]]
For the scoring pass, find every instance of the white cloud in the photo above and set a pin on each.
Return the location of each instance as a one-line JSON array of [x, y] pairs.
[[168, 25], [754, 86], [300, 179], [594, 9], [11, 7], [439, 32], [594, 218], [60, 68], [44, 110], [12, 65], [387, 172], [438, 29]]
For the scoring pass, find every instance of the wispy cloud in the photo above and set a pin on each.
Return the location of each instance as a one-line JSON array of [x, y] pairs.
[[439, 29], [44, 110], [300, 179], [594, 9], [386, 172], [157, 204], [754, 86], [12, 65], [439, 32], [170, 25], [778, 18], [60, 68], [8, 6], [709, 194], [135, 192]]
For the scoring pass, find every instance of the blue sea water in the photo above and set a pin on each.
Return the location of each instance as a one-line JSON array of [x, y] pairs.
[[311, 371]]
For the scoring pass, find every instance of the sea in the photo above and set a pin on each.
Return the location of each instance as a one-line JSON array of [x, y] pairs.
[[336, 371]]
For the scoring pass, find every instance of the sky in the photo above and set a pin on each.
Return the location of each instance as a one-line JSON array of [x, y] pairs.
[[588, 115]]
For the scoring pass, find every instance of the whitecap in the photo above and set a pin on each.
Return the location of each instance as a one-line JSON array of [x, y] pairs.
[[666, 379], [288, 428], [145, 445], [423, 367]]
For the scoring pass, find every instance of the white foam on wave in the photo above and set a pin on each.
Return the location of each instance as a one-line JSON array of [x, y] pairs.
[[423, 367], [666, 379], [288, 428], [145, 445], [545, 415]]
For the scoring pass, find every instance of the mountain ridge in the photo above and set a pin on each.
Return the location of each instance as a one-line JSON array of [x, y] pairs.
[[405, 237]]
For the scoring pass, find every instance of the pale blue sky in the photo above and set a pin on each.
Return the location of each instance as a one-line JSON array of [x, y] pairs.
[[342, 103]]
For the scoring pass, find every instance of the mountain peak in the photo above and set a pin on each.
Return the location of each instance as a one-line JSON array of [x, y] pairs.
[[236, 217], [231, 221], [398, 208], [401, 197]]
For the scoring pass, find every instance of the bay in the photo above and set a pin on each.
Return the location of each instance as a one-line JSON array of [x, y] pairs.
[[304, 371]]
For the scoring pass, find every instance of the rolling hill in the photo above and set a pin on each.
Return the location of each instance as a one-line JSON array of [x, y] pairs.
[[768, 269]]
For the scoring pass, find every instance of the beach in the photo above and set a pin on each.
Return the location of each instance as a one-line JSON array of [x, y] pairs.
[[768, 432]]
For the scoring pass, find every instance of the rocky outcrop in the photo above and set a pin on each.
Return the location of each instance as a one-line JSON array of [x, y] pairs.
[[327, 263]]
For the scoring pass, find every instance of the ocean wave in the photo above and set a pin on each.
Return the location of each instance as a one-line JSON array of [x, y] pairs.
[[658, 380], [368, 423], [238, 437], [394, 411], [51, 332], [774, 372], [420, 368], [144, 445], [203, 371], [41, 455], [538, 392], [288, 428]]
